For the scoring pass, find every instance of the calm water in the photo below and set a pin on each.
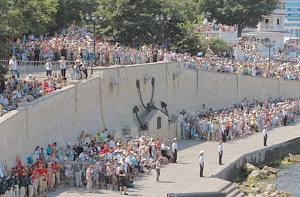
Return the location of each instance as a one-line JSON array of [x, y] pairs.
[[288, 179]]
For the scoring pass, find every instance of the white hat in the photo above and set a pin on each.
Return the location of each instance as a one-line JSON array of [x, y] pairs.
[[174, 139], [201, 152], [117, 144]]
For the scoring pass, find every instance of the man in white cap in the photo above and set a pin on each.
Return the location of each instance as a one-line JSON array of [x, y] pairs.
[[220, 153], [174, 150], [265, 133], [201, 163]]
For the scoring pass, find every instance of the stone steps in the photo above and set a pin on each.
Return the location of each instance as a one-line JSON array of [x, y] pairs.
[[231, 190], [235, 193]]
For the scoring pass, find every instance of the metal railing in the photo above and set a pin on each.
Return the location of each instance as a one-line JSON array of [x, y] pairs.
[[37, 69], [200, 194]]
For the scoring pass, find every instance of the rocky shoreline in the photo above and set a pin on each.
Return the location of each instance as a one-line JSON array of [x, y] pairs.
[[253, 188]]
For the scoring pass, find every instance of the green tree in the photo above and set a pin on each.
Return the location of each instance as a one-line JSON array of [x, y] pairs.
[[131, 21], [189, 41], [70, 11], [3, 70], [37, 15], [244, 13], [217, 44]]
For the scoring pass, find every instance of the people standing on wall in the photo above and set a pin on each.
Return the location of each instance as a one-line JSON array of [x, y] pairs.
[[63, 66], [13, 68], [36, 56], [220, 153], [174, 150], [284, 113], [265, 133], [223, 130], [48, 67], [201, 163]]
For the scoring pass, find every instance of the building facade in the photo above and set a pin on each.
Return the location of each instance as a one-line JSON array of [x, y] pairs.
[[292, 22], [272, 26]]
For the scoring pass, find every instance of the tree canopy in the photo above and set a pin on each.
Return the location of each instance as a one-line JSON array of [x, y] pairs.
[[244, 13], [132, 22]]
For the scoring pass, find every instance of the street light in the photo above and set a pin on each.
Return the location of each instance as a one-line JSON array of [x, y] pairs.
[[206, 14], [93, 19], [268, 43], [161, 20]]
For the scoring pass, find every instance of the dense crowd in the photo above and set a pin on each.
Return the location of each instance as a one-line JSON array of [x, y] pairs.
[[243, 118], [14, 90], [252, 63], [214, 26], [92, 162], [75, 41]]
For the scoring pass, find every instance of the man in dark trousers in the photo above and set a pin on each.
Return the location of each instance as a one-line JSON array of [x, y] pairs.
[[63, 52], [23, 184], [3, 187], [36, 56], [223, 130], [201, 163], [220, 153], [265, 133], [10, 185], [174, 150], [284, 113]]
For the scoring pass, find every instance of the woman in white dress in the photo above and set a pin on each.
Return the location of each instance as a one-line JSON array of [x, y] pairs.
[[68, 170]]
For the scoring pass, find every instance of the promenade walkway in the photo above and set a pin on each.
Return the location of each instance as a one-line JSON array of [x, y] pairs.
[[184, 176]]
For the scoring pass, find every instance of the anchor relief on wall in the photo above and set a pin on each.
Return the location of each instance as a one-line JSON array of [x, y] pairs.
[[150, 106]]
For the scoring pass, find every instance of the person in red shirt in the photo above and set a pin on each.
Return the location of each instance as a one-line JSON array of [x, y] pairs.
[[56, 171], [42, 176]]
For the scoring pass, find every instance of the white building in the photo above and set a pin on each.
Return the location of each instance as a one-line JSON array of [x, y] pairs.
[[271, 27]]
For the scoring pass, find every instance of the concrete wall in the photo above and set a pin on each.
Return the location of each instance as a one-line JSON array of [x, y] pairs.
[[259, 158], [93, 105]]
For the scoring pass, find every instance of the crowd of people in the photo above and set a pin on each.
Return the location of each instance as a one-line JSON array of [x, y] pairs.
[[214, 26], [14, 91], [252, 63], [242, 119], [92, 162], [75, 41]]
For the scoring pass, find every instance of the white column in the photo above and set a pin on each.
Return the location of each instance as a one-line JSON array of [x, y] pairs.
[[259, 26]]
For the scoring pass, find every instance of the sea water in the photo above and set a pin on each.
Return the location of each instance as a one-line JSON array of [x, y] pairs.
[[288, 179]]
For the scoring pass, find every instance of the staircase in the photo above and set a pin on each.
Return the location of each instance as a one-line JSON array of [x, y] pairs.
[[231, 191]]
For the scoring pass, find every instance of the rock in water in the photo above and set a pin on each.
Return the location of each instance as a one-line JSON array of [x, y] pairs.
[[255, 191], [270, 188], [294, 158], [287, 159], [270, 169], [266, 172], [248, 168], [261, 185]]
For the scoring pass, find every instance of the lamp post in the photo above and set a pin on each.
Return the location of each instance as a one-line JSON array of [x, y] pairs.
[[206, 14], [161, 20], [268, 43], [93, 19]]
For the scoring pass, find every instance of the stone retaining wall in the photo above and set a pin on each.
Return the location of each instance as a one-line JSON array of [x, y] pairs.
[[94, 104], [259, 158]]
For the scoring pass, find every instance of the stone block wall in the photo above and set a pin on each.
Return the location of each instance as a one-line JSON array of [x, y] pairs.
[[94, 104]]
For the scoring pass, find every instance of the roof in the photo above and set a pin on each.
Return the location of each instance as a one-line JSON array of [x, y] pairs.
[[282, 33]]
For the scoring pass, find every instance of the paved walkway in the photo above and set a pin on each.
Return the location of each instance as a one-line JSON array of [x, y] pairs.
[[184, 176]]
